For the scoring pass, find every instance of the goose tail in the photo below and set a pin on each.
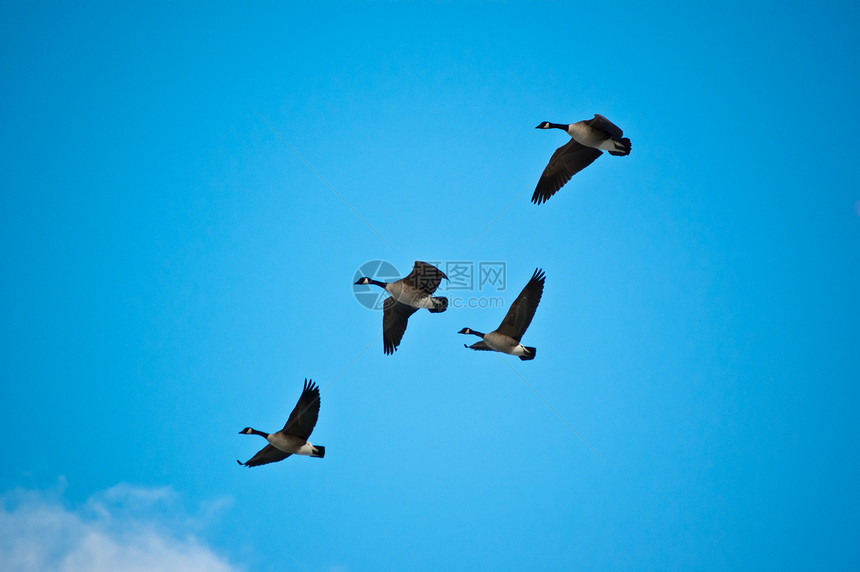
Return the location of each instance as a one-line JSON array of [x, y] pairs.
[[440, 304], [622, 147], [319, 451], [530, 353]]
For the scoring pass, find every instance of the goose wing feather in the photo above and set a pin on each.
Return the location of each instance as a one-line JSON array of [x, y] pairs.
[[568, 160], [600, 122], [395, 316], [425, 277], [266, 455], [523, 309], [305, 414]]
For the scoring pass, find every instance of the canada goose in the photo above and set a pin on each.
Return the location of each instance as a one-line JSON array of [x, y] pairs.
[[407, 296], [588, 137], [506, 338], [293, 438]]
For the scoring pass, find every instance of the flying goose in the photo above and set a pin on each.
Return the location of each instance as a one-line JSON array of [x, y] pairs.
[[506, 338], [588, 137], [293, 438], [407, 296]]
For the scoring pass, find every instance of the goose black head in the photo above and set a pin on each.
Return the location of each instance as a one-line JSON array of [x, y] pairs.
[[364, 280], [543, 125], [465, 331], [246, 431]]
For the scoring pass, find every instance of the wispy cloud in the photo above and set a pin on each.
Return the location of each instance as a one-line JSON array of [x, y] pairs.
[[124, 528]]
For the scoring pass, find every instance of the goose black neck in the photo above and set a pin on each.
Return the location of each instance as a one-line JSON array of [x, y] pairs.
[[476, 333], [377, 283], [558, 126], [260, 433]]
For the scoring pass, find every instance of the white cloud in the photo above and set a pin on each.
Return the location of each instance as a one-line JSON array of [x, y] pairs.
[[124, 528]]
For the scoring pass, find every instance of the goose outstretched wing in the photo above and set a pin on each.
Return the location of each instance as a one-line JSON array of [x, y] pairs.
[[523, 309], [568, 160]]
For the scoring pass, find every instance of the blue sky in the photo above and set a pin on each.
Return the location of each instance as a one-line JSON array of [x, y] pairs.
[[180, 225]]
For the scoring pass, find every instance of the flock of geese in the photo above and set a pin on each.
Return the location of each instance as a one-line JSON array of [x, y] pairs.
[[588, 140]]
